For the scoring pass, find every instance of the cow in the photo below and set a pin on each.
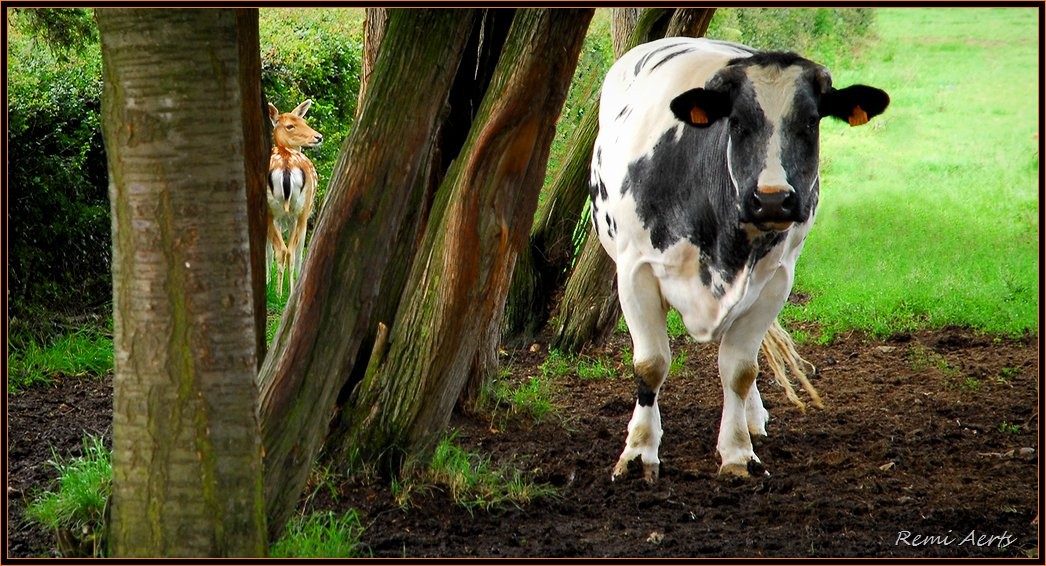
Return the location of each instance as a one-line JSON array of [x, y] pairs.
[[704, 185]]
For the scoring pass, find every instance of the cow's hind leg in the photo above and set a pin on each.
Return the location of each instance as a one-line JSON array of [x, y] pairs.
[[644, 312]]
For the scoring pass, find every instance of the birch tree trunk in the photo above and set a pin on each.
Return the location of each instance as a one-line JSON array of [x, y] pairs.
[[187, 454], [478, 224]]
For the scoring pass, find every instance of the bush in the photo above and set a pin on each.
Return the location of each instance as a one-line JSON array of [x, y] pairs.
[[59, 207], [60, 246], [823, 34]]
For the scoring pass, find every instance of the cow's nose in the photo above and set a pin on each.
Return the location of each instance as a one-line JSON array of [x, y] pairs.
[[773, 204]]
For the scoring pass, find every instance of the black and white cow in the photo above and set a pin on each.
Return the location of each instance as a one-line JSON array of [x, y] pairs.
[[704, 186]]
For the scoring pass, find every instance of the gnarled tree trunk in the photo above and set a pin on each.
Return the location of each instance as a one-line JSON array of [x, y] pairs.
[[477, 226], [381, 176]]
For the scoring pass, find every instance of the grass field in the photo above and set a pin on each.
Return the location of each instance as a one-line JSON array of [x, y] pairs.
[[929, 214]]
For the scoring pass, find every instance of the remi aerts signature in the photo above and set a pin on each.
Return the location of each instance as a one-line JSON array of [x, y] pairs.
[[974, 538]]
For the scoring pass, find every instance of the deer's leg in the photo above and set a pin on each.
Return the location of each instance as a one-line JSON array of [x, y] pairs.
[[276, 247]]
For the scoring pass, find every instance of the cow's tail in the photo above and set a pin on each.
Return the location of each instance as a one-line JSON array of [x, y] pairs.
[[781, 355]]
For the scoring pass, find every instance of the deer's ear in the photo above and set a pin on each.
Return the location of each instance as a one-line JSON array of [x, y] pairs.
[[274, 115], [302, 108]]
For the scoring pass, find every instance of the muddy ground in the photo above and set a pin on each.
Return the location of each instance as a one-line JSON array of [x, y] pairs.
[[929, 437]]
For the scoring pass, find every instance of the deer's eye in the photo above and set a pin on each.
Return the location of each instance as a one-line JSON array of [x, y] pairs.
[[289, 126]]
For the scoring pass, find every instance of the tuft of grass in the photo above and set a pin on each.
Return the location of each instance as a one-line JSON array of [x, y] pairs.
[[474, 483], [76, 513], [85, 352], [595, 368], [321, 535], [556, 364], [532, 398], [1009, 428], [928, 216]]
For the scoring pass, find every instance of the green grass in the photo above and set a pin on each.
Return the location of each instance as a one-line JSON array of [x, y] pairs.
[[76, 512], [84, 352], [929, 215], [321, 535], [532, 398], [473, 482]]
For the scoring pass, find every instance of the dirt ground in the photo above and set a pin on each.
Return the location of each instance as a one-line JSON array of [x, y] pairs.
[[928, 446]]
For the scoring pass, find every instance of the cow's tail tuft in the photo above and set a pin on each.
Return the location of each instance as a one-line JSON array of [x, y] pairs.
[[781, 355]]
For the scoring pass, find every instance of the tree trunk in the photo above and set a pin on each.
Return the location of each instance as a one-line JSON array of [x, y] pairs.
[[478, 224], [374, 25], [187, 466], [485, 40], [589, 311], [381, 176], [622, 23], [545, 263], [257, 139]]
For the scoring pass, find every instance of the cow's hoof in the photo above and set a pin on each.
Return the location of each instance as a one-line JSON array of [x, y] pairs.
[[752, 469], [650, 472]]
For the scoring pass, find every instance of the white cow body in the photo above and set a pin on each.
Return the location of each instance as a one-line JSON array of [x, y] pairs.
[[704, 187]]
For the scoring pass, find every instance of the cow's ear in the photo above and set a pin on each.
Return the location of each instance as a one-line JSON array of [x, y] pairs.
[[855, 104], [700, 107]]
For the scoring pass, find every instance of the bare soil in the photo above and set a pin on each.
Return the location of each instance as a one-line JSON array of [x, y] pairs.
[[928, 446]]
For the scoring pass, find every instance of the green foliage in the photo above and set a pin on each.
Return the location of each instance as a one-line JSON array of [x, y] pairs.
[[59, 234], [1009, 428], [928, 216], [61, 30], [474, 482], [556, 364], [822, 34], [77, 511], [315, 54], [531, 398], [321, 535], [85, 352], [595, 368]]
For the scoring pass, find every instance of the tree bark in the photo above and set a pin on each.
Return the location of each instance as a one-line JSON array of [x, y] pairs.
[[478, 224], [257, 139], [187, 453], [381, 175], [374, 25], [589, 310], [485, 40]]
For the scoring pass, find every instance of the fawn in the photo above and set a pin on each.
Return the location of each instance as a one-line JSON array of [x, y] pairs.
[[292, 190]]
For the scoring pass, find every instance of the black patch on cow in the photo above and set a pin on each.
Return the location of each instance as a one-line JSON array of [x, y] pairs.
[[683, 191], [641, 64], [644, 394], [670, 56]]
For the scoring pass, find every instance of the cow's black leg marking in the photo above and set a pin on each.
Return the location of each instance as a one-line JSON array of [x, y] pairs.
[[649, 375]]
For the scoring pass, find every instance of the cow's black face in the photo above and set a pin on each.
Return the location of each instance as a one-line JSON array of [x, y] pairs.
[[771, 105]]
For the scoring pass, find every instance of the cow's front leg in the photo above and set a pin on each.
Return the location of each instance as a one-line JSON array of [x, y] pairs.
[[644, 312], [737, 371], [743, 411]]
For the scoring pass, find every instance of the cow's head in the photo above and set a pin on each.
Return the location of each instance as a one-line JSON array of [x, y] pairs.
[[771, 105]]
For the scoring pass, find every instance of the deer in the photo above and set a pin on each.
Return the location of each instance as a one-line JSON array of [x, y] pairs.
[[291, 192]]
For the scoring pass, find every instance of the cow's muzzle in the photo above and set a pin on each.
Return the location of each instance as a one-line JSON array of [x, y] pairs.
[[773, 208]]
